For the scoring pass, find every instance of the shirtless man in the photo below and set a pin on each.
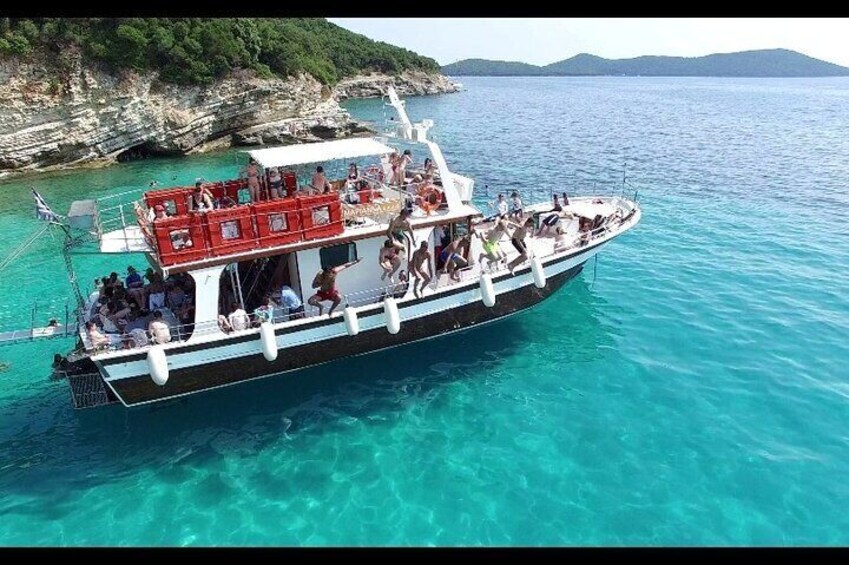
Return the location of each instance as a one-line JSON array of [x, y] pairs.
[[452, 259], [398, 226], [492, 250], [420, 258], [325, 282], [389, 260], [518, 241], [319, 182]]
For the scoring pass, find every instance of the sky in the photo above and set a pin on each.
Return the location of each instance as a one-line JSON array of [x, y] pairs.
[[541, 41]]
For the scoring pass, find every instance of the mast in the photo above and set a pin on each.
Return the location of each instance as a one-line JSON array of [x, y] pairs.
[[408, 130]]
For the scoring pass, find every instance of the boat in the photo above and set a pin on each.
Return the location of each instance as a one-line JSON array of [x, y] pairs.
[[229, 256]]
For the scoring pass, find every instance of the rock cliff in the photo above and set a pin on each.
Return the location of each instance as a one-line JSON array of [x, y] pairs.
[[91, 117]]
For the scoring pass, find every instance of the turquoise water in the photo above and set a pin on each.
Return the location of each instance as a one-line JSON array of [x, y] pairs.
[[694, 392]]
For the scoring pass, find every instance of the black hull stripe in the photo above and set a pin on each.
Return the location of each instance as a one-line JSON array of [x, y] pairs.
[[141, 389], [327, 321]]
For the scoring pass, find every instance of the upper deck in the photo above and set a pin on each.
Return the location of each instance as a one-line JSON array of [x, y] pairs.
[[288, 215]]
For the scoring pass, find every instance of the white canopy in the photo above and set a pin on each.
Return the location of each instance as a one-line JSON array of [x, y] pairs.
[[319, 152]]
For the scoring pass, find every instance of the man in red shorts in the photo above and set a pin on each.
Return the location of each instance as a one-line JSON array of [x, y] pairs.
[[325, 282]]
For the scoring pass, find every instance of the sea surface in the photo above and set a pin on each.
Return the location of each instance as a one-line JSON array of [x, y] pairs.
[[689, 388]]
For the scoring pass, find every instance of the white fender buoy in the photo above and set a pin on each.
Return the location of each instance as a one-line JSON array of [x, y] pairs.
[[157, 364], [487, 290], [352, 323], [538, 272], [269, 341], [393, 318]]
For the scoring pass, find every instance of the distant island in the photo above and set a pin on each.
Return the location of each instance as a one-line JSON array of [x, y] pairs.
[[760, 63]]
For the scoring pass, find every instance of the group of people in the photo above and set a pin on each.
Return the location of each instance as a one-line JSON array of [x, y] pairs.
[[278, 305], [129, 313]]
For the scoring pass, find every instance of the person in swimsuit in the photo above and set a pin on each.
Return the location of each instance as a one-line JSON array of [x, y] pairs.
[[516, 208], [394, 160], [429, 168], [275, 183], [420, 258], [252, 172], [325, 283], [398, 226], [551, 220], [518, 241], [403, 161], [389, 260], [452, 258], [492, 250], [200, 200], [354, 181]]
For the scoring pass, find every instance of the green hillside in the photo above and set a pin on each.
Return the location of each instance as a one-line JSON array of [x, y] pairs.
[[199, 50]]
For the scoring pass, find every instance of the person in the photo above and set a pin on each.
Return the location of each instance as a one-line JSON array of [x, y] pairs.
[[500, 206], [265, 312], [565, 199], [200, 200], [275, 183], [98, 340], [354, 181], [492, 249], [319, 183], [252, 172], [238, 318], [585, 229], [518, 241], [225, 201], [159, 330], [135, 286], [420, 258], [394, 160], [292, 302], [159, 212], [551, 220], [429, 168], [389, 260], [452, 259], [403, 161], [399, 225], [224, 324], [138, 338], [155, 292], [516, 208], [560, 241], [176, 297], [325, 283]]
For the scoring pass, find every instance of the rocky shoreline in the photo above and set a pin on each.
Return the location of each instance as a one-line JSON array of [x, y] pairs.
[[89, 117]]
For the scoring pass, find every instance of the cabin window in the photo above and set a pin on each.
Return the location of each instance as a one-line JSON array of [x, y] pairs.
[[277, 223], [180, 239], [321, 216], [230, 230], [337, 255]]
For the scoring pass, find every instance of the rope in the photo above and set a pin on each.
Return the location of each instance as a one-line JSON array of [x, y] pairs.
[[23, 247]]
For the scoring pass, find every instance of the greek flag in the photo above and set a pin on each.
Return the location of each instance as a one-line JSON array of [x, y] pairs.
[[42, 210]]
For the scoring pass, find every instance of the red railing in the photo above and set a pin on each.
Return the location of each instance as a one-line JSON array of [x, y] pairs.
[[192, 236]]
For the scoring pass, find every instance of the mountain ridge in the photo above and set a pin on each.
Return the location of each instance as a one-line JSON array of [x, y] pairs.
[[761, 63]]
